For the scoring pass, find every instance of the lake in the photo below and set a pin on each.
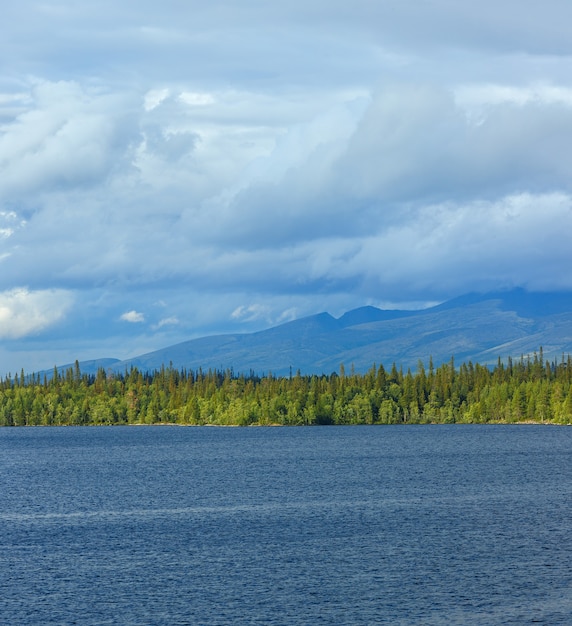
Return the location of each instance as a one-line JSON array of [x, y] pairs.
[[420, 525]]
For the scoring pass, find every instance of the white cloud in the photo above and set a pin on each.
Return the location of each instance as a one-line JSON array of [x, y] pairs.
[[196, 98], [9, 223], [133, 317], [480, 97], [288, 315], [270, 314], [24, 312], [251, 312], [68, 136], [154, 98], [167, 321]]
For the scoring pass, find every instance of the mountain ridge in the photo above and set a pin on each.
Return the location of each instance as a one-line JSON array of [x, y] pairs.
[[476, 327]]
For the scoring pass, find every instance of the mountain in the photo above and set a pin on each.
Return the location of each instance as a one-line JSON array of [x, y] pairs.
[[476, 327]]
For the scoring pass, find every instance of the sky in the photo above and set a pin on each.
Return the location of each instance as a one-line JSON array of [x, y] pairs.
[[178, 169]]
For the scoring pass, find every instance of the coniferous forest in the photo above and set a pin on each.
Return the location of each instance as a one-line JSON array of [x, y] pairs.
[[528, 390]]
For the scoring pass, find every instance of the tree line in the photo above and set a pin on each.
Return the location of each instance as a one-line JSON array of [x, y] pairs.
[[528, 390]]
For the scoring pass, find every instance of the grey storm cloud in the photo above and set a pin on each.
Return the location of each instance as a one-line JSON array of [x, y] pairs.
[[243, 163]]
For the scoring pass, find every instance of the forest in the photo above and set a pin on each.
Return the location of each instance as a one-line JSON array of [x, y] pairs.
[[527, 390]]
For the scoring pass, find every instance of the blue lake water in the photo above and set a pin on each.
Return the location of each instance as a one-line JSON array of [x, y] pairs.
[[334, 525]]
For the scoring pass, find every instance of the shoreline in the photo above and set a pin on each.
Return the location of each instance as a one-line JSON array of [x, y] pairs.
[[162, 424]]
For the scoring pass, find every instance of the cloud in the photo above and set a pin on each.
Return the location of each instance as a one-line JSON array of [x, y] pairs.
[[287, 316], [365, 167], [285, 220], [244, 163], [416, 144], [445, 248], [24, 312], [271, 314], [197, 98], [167, 321], [67, 137], [9, 223], [170, 146], [154, 97], [251, 312], [133, 317], [483, 95], [259, 41]]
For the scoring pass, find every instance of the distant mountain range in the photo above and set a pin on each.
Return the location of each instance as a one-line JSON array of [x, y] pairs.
[[476, 327]]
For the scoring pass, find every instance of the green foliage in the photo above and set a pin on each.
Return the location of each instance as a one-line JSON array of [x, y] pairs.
[[526, 390]]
